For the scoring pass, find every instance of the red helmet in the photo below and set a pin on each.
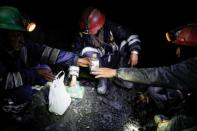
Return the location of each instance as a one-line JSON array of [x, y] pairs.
[[186, 36], [92, 20]]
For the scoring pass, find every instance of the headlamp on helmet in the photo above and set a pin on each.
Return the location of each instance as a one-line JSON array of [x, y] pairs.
[[186, 36], [11, 19], [172, 35], [30, 26]]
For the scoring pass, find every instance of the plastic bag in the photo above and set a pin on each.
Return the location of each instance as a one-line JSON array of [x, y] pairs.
[[59, 99]]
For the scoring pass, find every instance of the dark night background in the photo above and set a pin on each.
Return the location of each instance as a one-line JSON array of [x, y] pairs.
[[57, 21]]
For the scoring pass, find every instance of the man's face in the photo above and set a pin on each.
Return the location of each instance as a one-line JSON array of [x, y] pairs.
[[16, 40]]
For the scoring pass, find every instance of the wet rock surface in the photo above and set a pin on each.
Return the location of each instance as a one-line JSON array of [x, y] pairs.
[[94, 112]]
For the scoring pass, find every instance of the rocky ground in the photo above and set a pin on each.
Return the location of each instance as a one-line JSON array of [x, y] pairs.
[[111, 112]]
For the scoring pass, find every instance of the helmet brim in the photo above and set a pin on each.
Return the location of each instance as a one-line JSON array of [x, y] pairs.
[[11, 27]]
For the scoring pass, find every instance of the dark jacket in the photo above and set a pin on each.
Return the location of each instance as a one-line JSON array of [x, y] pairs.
[[112, 40], [181, 76], [16, 67]]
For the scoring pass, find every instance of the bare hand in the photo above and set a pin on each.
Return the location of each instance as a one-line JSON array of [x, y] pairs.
[[83, 62], [104, 73], [46, 74], [133, 59]]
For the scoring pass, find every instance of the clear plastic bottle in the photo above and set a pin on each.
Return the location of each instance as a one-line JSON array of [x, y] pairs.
[[94, 62]]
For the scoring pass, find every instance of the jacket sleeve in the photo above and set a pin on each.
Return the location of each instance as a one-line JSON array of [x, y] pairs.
[[126, 37], [49, 55], [179, 76]]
